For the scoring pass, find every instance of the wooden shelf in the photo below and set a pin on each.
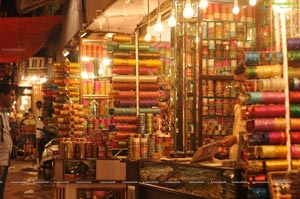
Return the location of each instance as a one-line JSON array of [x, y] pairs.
[[217, 77], [95, 96]]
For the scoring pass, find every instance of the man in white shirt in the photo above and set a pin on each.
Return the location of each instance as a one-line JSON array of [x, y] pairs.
[[7, 97], [239, 124]]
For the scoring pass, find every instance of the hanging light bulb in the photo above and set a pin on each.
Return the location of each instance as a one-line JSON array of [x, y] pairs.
[[148, 35], [188, 11], [172, 20], [203, 4], [236, 9], [65, 53], [252, 2], [159, 27]]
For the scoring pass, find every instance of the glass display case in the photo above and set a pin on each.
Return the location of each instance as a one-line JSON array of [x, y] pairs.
[[187, 96], [208, 45], [95, 81], [225, 38], [184, 180]]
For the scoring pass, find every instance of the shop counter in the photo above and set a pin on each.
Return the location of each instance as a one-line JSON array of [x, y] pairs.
[[177, 180], [89, 178]]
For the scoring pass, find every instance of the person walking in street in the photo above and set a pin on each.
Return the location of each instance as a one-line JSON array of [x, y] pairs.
[[39, 119], [7, 97], [39, 125]]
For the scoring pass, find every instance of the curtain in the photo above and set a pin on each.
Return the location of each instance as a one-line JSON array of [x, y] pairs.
[[22, 37]]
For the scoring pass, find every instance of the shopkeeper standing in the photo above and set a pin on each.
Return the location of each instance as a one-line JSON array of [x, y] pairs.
[[7, 97], [232, 141]]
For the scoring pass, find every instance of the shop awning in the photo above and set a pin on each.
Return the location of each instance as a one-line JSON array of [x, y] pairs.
[[22, 37]]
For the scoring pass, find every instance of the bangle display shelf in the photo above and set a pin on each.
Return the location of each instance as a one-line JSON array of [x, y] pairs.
[[264, 112], [96, 82], [267, 163], [28, 129], [271, 159], [95, 89], [49, 90], [136, 97], [205, 59], [257, 180], [166, 120], [286, 184], [82, 170], [61, 80], [167, 86], [225, 38], [76, 106]]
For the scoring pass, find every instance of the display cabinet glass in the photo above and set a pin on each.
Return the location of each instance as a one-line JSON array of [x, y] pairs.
[[187, 96], [208, 47], [192, 179], [95, 68], [224, 40], [95, 80]]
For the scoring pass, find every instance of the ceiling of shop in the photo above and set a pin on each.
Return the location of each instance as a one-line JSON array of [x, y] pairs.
[[122, 17], [101, 15]]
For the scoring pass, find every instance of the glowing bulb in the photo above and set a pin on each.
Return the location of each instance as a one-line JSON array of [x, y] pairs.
[[109, 35], [106, 61], [148, 35], [83, 58], [172, 20], [159, 27], [235, 9], [84, 75], [252, 2], [188, 11], [101, 71], [83, 34], [43, 80], [203, 4], [33, 78], [65, 53]]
